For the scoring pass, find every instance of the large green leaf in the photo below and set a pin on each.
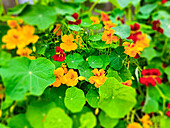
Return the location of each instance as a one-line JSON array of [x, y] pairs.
[[125, 74], [117, 57], [57, 118], [3, 126], [85, 70], [112, 73], [4, 57], [151, 102], [95, 61], [92, 98], [147, 9], [106, 121], [106, 61], [114, 97], [74, 60], [95, 37], [165, 122], [19, 121], [165, 25], [151, 55], [120, 3], [88, 120], [40, 15], [74, 99], [123, 31], [37, 112], [21, 75]]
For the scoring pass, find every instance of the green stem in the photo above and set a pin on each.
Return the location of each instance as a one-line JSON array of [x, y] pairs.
[[16, 1], [129, 14], [92, 7]]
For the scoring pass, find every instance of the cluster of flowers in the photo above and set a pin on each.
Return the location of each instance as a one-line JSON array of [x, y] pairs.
[[145, 122], [19, 36], [150, 76], [140, 41], [65, 76]]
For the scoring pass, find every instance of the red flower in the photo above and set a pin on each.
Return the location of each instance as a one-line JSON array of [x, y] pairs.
[[168, 113], [134, 32], [77, 21], [156, 26], [150, 76], [122, 20], [164, 1], [168, 105], [60, 55], [164, 65]]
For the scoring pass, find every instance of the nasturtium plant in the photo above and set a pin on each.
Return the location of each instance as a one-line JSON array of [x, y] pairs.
[[95, 61], [74, 60], [117, 57], [74, 27], [30, 75], [114, 97], [59, 117], [74, 99], [123, 31]]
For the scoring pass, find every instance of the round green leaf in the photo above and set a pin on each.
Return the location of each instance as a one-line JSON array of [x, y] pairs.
[[165, 25], [95, 37], [106, 121], [37, 112], [92, 98], [3, 126], [70, 18], [95, 61], [112, 73], [88, 120], [105, 60], [147, 9], [40, 15], [57, 118], [74, 27], [21, 75], [19, 121], [167, 71], [165, 122], [117, 57], [85, 70], [74, 60], [125, 74], [151, 55], [74, 99], [123, 31], [114, 97], [96, 26], [86, 22]]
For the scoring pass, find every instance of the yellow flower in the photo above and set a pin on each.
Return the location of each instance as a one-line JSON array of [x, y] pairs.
[[12, 23], [99, 77], [68, 44], [95, 20], [25, 52], [81, 78], [60, 78], [127, 83], [130, 49], [72, 78], [57, 30], [108, 24], [145, 121], [134, 125], [79, 40], [109, 37]]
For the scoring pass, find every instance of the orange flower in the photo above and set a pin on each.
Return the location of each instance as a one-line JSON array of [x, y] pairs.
[[99, 77], [79, 40], [72, 78], [108, 24], [127, 83], [145, 121], [95, 20], [142, 41], [25, 52], [134, 125], [81, 78], [57, 30], [12, 23], [109, 37], [68, 44], [60, 78], [104, 17], [130, 49]]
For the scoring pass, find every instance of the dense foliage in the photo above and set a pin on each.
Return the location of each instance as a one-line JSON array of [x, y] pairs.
[[65, 65]]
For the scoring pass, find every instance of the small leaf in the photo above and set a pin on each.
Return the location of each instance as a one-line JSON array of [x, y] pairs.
[[96, 26], [123, 31], [95, 37], [74, 99], [167, 71], [112, 73], [74, 60], [74, 27], [105, 60], [147, 9], [70, 18], [151, 55], [86, 22], [92, 98], [57, 118], [4, 57], [95, 61], [88, 120]]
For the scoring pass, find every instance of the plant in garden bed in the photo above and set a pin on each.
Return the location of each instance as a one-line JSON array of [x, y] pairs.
[[63, 67]]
